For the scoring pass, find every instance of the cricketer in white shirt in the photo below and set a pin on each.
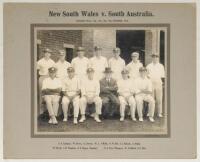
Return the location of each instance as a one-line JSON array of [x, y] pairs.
[[98, 64], [116, 65], [134, 66], [71, 89], [80, 63], [126, 90], [62, 69], [156, 72], [42, 66], [90, 90], [51, 88], [144, 93]]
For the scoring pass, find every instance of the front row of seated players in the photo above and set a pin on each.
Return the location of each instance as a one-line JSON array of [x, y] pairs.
[[107, 91]]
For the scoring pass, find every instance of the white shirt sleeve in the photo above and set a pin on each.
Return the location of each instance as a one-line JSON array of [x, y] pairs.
[[123, 63], [149, 88], [44, 84], [78, 84], [141, 65], [73, 63], [119, 87], [162, 71], [68, 64], [38, 65], [128, 67], [148, 70]]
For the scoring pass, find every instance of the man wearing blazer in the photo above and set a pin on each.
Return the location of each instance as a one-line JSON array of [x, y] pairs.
[[108, 94]]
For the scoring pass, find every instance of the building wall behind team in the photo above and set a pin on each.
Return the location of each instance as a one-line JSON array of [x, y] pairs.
[[55, 39], [104, 38]]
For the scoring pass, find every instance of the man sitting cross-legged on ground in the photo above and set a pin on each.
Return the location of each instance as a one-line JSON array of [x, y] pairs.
[[126, 90], [144, 93], [108, 94], [71, 91], [90, 90], [51, 88]]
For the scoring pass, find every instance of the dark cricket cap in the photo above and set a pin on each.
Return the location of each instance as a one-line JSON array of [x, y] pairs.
[[90, 70], [143, 69], [70, 69], [47, 50], [115, 50], [80, 49], [97, 48], [52, 70], [108, 70]]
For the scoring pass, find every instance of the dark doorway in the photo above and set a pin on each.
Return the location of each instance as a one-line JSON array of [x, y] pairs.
[[69, 54], [162, 47], [130, 41]]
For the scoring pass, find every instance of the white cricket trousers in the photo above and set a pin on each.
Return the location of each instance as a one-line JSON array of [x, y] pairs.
[[52, 102], [96, 100], [127, 101], [40, 81], [65, 105], [140, 98], [158, 95]]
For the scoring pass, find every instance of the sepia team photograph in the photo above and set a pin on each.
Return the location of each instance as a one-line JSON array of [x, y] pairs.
[[104, 80], [101, 80]]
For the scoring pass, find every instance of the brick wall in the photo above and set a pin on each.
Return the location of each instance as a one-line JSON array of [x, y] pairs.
[[88, 42], [105, 38], [54, 40]]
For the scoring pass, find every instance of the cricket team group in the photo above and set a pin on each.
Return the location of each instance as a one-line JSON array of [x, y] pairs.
[[110, 85]]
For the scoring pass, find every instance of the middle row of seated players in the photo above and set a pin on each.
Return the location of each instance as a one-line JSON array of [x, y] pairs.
[[107, 91]]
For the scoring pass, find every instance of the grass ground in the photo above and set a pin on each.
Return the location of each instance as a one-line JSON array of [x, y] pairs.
[[107, 125]]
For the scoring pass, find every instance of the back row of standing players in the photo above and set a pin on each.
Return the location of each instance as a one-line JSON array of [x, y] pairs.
[[123, 79]]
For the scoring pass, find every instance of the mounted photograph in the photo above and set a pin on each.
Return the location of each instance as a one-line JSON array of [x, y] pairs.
[[100, 80]]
